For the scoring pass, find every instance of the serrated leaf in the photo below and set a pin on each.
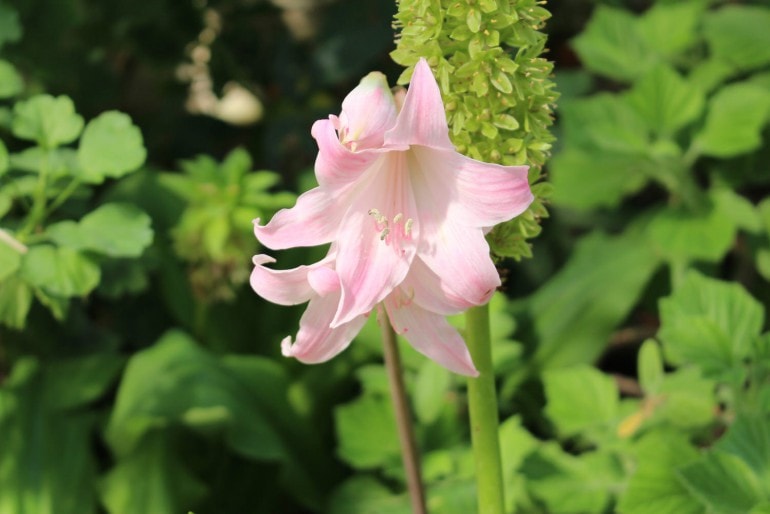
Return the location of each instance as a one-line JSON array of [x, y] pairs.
[[366, 432], [59, 271], [709, 323], [612, 45], [734, 120], [49, 121], [749, 439], [11, 83], [111, 146], [722, 483], [654, 488], [430, 391], [113, 229], [581, 400], [671, 28], [665, 100], [738, 35]]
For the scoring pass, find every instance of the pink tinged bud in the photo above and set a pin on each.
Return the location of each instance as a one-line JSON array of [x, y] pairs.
[[406, 215]]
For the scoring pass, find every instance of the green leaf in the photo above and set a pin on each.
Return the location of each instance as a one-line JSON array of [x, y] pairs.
[[654, 488], [15, 301], [150, 479], [113, 229], [49, 121], [709, 323], [59, 271], [581, 400], [613, 45], [187, 386], [665, 100], [576, 311], [76, 381], [686, 400], [11, 83], [431, 388], [111, 146], [568, 484], [363, 494], [738, 35], [736, 115], [366, 432], [650, 365], [749, 439], [3, 160], [47, 465], [670, 29], [10, 29], [680, 235], [722, 482], [10, 258]]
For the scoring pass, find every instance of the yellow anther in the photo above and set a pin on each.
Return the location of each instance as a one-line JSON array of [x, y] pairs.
[[384, 233]]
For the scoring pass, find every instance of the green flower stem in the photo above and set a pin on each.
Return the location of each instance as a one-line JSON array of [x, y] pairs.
[[482, 400], [37, 213], [409, 453]]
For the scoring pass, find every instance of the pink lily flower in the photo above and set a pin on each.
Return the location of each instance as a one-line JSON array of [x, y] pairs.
[[406, 215]]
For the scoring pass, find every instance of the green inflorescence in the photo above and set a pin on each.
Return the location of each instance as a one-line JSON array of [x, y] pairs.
[[498, 92]]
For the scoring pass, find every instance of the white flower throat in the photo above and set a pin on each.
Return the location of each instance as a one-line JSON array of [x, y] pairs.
[[390, 229]]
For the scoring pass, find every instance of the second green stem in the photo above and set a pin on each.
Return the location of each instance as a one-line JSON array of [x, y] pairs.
[[482, 401]]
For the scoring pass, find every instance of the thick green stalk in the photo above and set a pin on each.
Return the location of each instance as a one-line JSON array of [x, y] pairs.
[[482, 400], [409, 453]]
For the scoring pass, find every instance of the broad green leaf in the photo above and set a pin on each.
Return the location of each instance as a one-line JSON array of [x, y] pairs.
[[113, 229], [738, 35], [722, 482], [577, 310], [568, 484], [366, 432], [516, 443], [363, 494], [654, 488], [762, 508], [15, 301], [10, 29], [686, 399], [581, 401], [680, 235], [60, 271], [612, 44], [10, 257], [709, 323], [11, 83], [734, 121], [605, 122], [49, 121], [431, 388], [586, 180], [123, 276], [738, 209], [650, 366], [665, 100], [76, 381], [670, 29], [151, 478], [187, 386], [709, 74], [111, 146], [749, 439], [59, 162], [47, 464]]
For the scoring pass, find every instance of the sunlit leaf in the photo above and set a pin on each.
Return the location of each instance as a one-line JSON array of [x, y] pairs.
[[60, 271], [49, 121], [737, 34], [723, 483], [11, 82], [111, 146]]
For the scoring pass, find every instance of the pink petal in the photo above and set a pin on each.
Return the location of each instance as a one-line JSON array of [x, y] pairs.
[[312, 221], [367, 112], [284, 287], [423, 286], [316, 341], [371, 259], [470, 192], [459, 256], [323, 280], [422, 120], [336, 165], [431, 335]]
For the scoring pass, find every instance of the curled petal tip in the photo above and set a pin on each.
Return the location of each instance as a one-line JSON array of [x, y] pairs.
[[259, 260], [287, 348]]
